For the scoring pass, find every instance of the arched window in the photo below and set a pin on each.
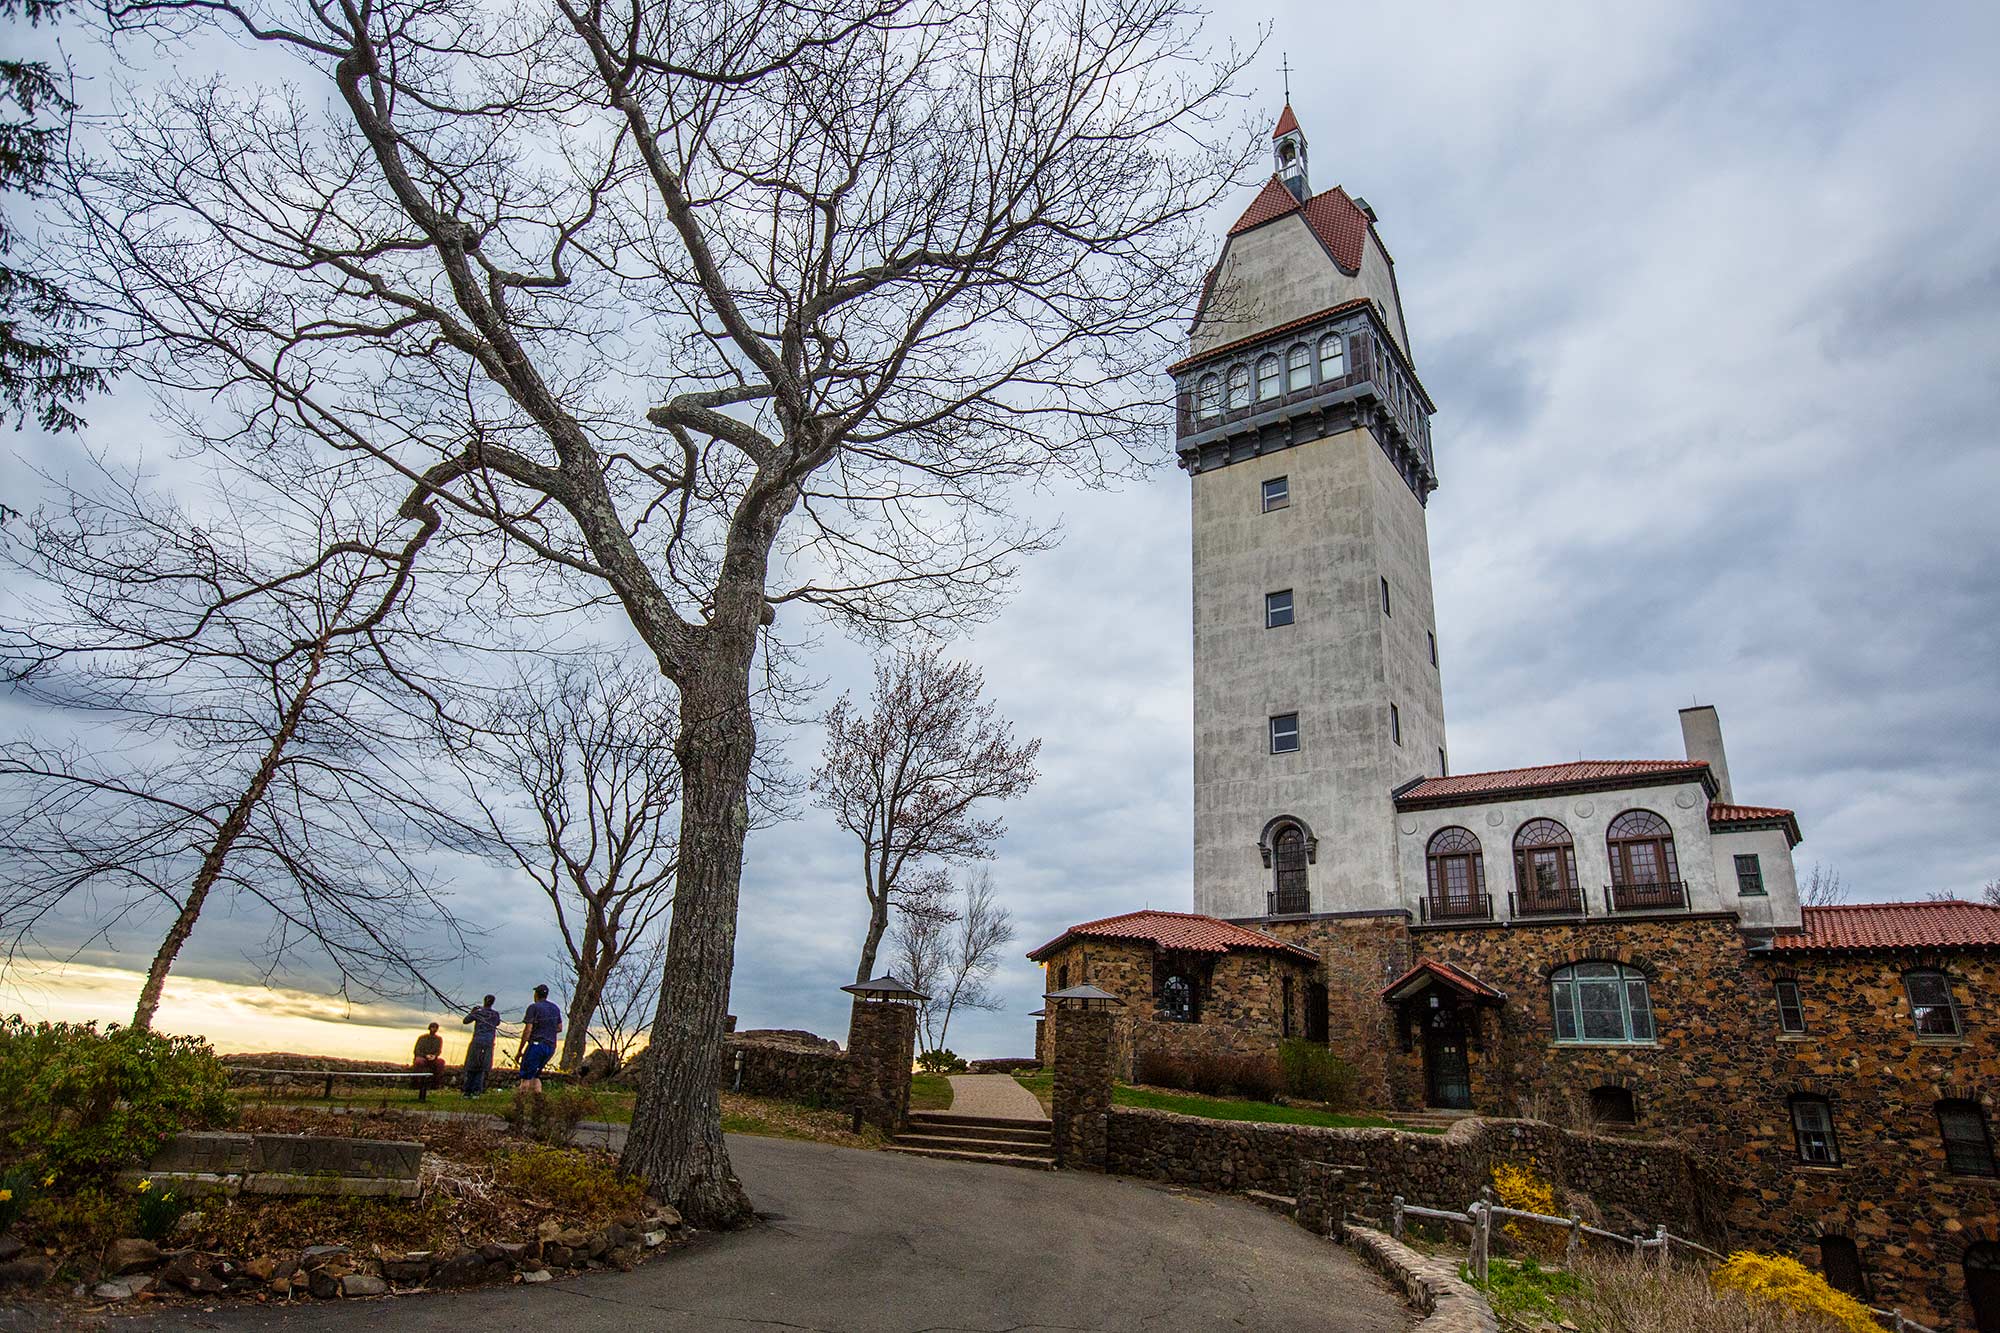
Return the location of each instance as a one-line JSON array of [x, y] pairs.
[[1968, 1146], [1239, 386], [1288, 865], [1840, 1264], [1933, 1008], [1298, 368], [1177, 999], [1457, 873], [1208, 402], [1545, 869], [1062, 977], [1267, 378], [1982, 1285], [1332, 358], [1812, 1128], [1601, 1003], [1613, 1106], [1642, 850]]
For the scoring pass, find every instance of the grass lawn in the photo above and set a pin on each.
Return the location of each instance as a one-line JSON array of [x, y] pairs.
[[930, 1092], [1214, 1108]]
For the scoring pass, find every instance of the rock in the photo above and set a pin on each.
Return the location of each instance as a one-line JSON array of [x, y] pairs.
[[599, 1065], [130, 1255], [281, 1285], [412, 1267], [538, 1275], [616, 1234], [574, 1237], [653, 1239], [123, 1288], [666, 1215], [556, 1256], [363, 1284], [28, 1270], [322, 1284], [548, 1230], [464, 1269], [191, 1270], [624, 1256], [10, 1246], [261, 1268], [190, 1222], [313, 1256], [503, 1252]]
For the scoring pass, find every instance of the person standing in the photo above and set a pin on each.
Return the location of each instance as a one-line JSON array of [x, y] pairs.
[[539, 1027], [485, 1020], [429, 1056]]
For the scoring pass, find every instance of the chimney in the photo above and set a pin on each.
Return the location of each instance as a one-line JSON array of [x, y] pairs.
[[1701, 732]]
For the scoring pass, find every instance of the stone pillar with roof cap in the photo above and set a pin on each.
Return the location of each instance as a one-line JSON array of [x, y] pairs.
[[881, 1052], [1082, 1033]]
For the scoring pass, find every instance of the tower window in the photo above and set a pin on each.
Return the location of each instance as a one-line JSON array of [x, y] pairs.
[[1749, 876], [1277, 609], [1291, 895], [1443, 771], [1208, 399], [1385, 596], [1332, 358], [1277, 494], [1239, 386], [1395, 724], [1812, 1128], [1267, 378], [1298, 368], [1434, 646], [1791, 1008], [1285, 733]]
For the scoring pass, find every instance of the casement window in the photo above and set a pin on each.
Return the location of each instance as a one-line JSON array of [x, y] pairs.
[[1602, 1004], [1457, 872], [1298, 369], [1208, 399], [1545, 869], [1285, 733], [1332, 358], [1179, 1001], [1239, 386], [1385, 597], [1641, 845], [1812, 1129], [1290, 876], [1277, 609], [1968, 1144], [1395, 724], [1791, 1007], [1749, 876], [1267, 378], [1277, 493], [1933, 1008]]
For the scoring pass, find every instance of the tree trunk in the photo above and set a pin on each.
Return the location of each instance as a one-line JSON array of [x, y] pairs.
[[218, 851], [675, 1141], [878, 925], [583, 1000]]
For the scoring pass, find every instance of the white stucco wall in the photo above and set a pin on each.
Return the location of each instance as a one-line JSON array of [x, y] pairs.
[[1340, 665], [1779, 906], [1280, 272], [1683, 805]]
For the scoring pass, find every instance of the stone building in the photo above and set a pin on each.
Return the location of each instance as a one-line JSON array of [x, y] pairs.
[[1616, 941]]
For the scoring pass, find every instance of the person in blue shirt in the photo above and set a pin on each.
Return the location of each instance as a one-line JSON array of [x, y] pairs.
[[485, 1020], [539, 1026]]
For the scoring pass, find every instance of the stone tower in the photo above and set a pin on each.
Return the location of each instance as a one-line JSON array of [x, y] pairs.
[[1306, 437]]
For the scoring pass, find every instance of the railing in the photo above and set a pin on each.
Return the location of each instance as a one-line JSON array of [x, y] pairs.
[[1662, 895], [1287, 902], [1478, 907], [1563, 902], [1479, 1215]]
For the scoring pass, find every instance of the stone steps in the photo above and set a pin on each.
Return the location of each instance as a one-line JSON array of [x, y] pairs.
[[990, 1158], [949, 1119], [975, 1138], [970, 1129], [969, 1143]]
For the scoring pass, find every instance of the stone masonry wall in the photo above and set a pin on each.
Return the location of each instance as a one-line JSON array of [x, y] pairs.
[[1359, 955], [881, 1046], [792, 1073]]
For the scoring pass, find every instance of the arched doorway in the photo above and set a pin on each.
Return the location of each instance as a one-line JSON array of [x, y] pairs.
[[1982, 1285]]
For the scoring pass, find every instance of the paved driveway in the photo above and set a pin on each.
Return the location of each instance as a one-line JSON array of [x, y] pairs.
[[865, 1241]]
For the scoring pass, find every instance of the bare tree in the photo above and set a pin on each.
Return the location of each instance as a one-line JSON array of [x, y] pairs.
[[1822, 888], [872, 263], [575, 771], [905, 778], [1990, 893], [962, 963], [245, 677]]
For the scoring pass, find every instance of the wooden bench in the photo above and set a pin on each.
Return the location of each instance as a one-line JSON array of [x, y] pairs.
[[426, 1079]]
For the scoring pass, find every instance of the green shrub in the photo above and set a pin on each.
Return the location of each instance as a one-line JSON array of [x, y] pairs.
[[1313, 1073], [940, 1061], [158, 1210], [18, 1187], [1218, 1075], [83, 1103], [87, 1218], [550, 1117], [570, 1179]]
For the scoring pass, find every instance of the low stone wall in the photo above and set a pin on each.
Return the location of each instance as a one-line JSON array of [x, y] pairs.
[[1634, 1185], [222, 1163], [306, 1075], [1432, 1286], [812, 1076]]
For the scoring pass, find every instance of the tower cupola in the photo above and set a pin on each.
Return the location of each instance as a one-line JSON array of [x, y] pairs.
[[1288, 151]]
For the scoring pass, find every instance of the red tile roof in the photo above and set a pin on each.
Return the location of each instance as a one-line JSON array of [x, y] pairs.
[[1462, 788], [1952, 924], [1287, 122], [1338, 222], [1722, 816], [1186, 931], [1446, 974]]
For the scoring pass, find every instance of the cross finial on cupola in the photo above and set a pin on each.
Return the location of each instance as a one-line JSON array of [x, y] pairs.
[[1288, 150]]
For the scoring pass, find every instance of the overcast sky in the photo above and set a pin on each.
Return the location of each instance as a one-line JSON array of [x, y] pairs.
[[1709, 300]]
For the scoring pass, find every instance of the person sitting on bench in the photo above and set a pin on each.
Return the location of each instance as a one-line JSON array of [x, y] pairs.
[[430, 1056]]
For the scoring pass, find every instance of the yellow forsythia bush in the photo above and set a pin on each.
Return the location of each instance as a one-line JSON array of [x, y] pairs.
[[1522, 1187], [1787, 1282]]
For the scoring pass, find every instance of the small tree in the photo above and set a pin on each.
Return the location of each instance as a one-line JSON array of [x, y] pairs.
[[905, 780], [950, 957], [1823, 887]]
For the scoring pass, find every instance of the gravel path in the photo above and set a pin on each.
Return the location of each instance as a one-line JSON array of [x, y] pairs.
[[993, 1095]]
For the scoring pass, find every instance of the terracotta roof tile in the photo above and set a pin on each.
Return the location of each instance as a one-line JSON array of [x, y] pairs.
[[1186, 931], [1516, 781], [1952, 924], [1721, 816], [1455, 977], [1287, 122], [1338, 222]]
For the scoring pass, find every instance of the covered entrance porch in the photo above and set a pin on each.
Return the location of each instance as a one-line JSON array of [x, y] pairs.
[[1441, 1016]]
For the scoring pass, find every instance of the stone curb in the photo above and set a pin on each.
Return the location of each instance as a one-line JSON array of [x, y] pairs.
[[1432, 1286]]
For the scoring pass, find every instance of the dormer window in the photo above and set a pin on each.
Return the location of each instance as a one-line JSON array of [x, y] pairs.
[[1298, 368], [1332, 358], [1239, 386], [1267, 378], [1208, 399]]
